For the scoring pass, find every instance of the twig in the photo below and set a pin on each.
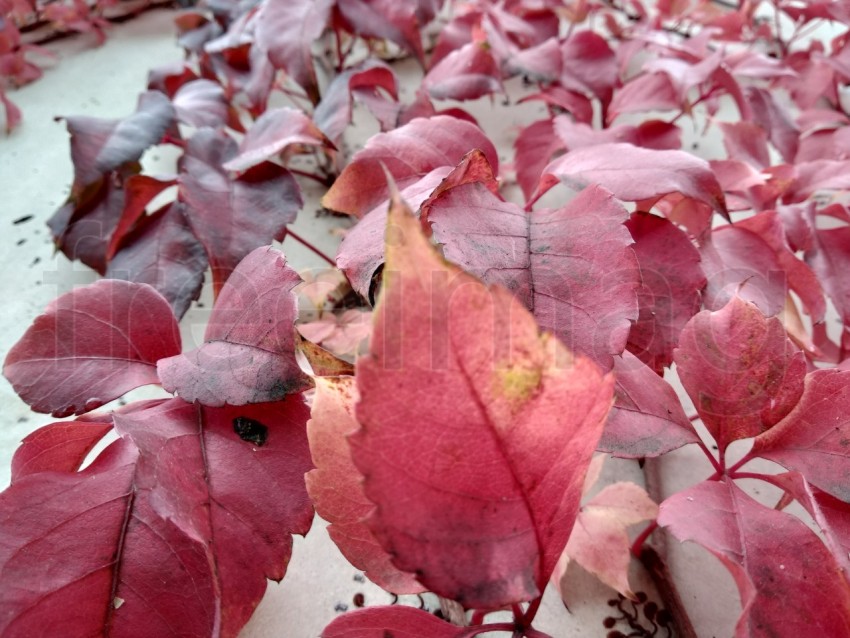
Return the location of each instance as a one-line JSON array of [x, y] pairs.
[[309, 246]]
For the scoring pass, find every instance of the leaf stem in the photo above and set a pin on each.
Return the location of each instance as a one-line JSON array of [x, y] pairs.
[[530, 612], [718, 465], [308, 245], [637, 546], [750, 475], [733, 470]]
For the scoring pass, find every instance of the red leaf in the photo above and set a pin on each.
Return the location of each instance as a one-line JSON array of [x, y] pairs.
[[58, 447], [333, 114], [829, 257], [633, 173], [13, 113], [647, 418], [769, 554], [99, 146], [274, 133], [249, 350], [362, 185], [553, 260], [393, 20], [139, 191], [231, 217], [180, 516], [467, 73], [671, 280], [831, 515], [495, 378], [287, 31], [589, 65], [395, 621], [814, 438], [740, 369], [361, 253], [600, 542], [647, 92], [336, 486], [534, 147], [83, 226], [162, 251], [747, 142], [92, 345], [752, 259], [775, 119]]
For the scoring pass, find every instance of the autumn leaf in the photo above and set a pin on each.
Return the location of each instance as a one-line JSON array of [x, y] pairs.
[[600, 542], [505, 449], [740, 369], [397, 621], [193, 510], [769, 554], [248, 355], [92, 345], [336, 486]]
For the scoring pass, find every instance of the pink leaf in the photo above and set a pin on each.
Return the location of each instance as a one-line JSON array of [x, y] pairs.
[[740, 369], [361, 253], [274, 133], [752, 259], [633, 173], [553, 260], [769, 554], [397, 621], [671, 281], [188, 514], [647, 418], [465, 74], [814, 438], [600, 542], [92, 345], [647, 92], [249, 350], [333, 114], [495, 379], [287, 31], [201, 103], [336, 486], [831, 515], [534, 148], [361, 186], [393, 20]]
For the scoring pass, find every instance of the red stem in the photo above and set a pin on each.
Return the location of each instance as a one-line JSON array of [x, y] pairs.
[[530, 613], [732, 470], [750, 475], [718, 465], [637, 546], [309, 246]]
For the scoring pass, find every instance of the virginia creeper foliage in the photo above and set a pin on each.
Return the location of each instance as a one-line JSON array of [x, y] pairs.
[[503, 315]]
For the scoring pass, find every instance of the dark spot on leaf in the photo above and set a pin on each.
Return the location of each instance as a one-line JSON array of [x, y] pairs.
[[22, 220], [251, 431]]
